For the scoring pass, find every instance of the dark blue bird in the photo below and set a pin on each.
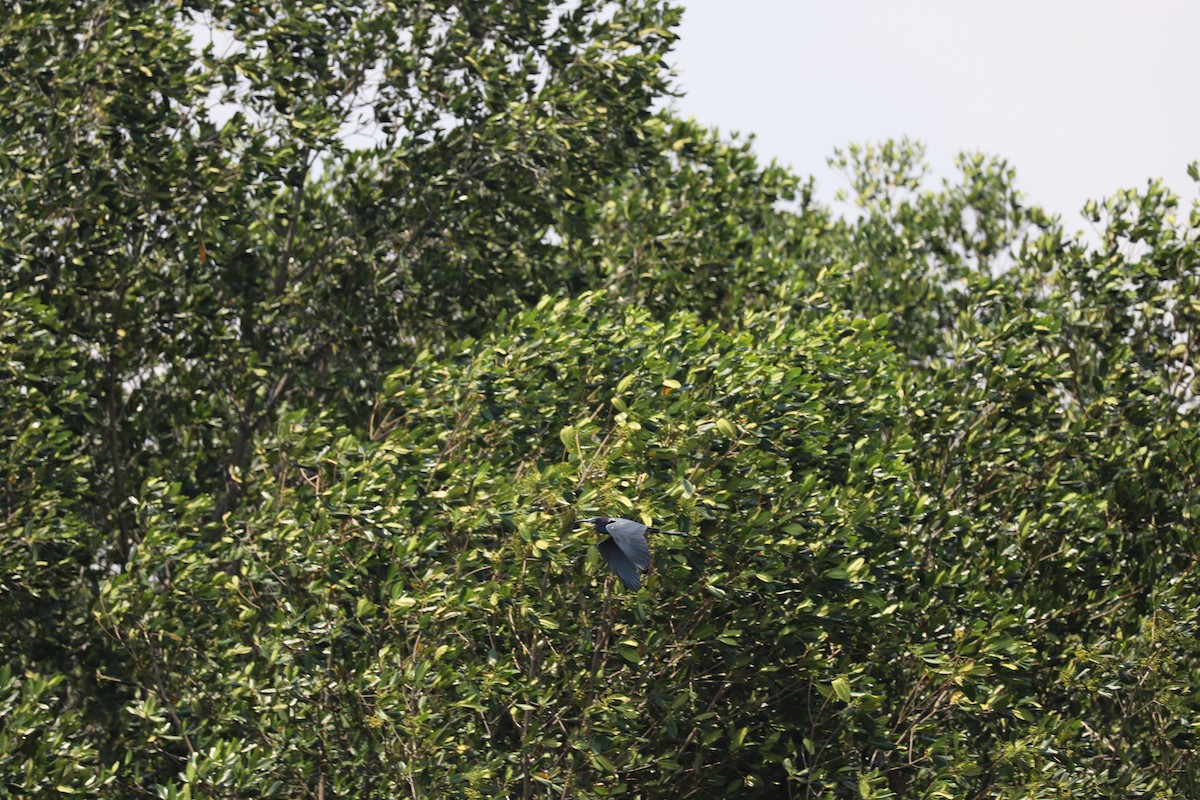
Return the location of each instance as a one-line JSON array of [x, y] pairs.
[[626, 551]]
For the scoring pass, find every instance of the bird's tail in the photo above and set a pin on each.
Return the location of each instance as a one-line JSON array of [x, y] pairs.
[[660, 530]]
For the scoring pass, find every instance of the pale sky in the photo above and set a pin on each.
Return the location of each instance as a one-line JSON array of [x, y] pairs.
[[1083, 98]]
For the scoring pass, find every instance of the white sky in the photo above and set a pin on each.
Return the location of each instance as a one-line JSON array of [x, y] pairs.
[[1083, 98]]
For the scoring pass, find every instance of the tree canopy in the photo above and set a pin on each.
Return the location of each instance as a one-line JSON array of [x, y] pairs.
[[323, 323]]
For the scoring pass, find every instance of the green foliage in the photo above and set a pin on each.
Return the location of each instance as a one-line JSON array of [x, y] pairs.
[[699, 225], [212, 266], [914, 253], [298, 425], [464, 627]]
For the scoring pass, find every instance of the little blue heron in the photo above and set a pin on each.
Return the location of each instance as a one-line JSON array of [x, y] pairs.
[[626, 551]]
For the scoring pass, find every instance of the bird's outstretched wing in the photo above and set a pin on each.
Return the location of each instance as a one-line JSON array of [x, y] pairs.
[[630, 536], [619, 564]]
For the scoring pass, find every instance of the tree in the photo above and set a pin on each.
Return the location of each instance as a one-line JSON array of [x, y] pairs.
[[211, 271], [298, 422]]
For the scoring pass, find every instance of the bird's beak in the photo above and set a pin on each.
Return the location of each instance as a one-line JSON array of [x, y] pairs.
[[586, 521]]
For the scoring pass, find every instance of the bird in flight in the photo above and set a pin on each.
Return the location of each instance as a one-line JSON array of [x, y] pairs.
[[625, 551]]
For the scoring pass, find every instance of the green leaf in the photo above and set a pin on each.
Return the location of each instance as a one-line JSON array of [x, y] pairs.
[[567, 435]]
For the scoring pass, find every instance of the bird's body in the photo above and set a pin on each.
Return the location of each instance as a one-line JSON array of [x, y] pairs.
[[625, 551]]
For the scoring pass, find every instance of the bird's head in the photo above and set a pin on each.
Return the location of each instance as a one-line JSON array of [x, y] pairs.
[[597, 522]]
